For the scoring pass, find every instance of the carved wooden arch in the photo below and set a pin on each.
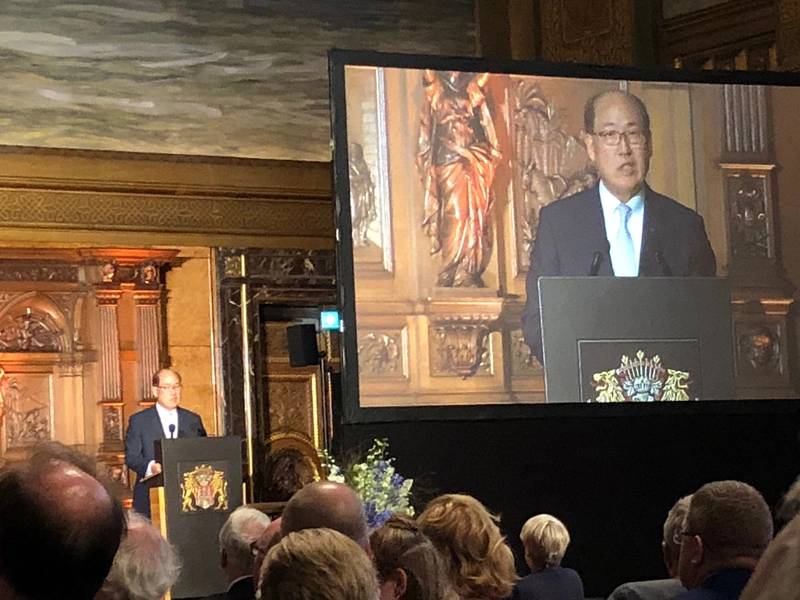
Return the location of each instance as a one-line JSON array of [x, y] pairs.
[[34, 322]]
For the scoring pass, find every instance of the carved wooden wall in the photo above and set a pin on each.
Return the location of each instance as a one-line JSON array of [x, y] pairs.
[[267, 402]]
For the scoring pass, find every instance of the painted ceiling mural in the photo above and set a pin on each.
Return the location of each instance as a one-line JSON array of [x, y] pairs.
[[241, 78]]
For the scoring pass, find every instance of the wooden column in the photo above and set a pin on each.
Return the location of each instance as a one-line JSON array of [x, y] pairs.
[[148, 341], [761, 296], [111, 402]]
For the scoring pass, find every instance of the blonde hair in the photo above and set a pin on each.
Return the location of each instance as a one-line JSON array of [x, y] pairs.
[[317, 564], [545, 539], [481, 564]]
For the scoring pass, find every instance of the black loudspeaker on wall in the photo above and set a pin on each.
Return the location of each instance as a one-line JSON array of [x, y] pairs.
[[303, 349]]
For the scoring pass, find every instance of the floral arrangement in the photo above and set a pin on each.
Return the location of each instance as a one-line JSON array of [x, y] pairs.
[[381, 488]]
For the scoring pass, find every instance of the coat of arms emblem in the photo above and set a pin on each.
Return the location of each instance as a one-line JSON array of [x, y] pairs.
[[641, 379], [204, 488]]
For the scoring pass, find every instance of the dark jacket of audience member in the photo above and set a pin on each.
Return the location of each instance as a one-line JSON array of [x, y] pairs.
[[727, 529], [661, 589], [545, 540], [408, 564], [59, 527]]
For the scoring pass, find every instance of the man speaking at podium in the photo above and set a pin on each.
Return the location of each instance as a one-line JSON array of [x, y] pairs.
[[620, 227], [165, 420]]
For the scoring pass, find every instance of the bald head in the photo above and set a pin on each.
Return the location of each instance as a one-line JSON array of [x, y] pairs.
[[53, 510], [326, 504]]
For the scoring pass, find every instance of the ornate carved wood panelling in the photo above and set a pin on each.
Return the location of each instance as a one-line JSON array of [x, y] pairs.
[[738, 34], [788, 34], [460, 346], [749, 196], [225, 200], [589, 32]]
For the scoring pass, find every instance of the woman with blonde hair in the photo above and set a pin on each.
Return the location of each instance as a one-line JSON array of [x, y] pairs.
[[481, 565], [408, 564], [545, 540]]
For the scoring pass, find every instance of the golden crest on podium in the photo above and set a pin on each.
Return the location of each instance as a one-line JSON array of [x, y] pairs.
[[641, 379], [204, 488]]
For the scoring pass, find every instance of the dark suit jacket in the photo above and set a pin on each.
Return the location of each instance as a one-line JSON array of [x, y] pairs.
[[572, 230], [555, 583], [654, 589], [144, 428], [241, 590], [724, 585]]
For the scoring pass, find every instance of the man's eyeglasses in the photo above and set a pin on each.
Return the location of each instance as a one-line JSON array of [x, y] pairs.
[[613, 138], [174, 386]]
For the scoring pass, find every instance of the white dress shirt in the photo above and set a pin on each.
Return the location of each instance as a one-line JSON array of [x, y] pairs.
[[610, 202]]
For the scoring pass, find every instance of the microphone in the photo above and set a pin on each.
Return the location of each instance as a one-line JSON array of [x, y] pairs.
[[172, 431], [597, 260]]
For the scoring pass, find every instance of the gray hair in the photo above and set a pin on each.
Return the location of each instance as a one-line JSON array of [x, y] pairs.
[[243, 527], [145, 567]]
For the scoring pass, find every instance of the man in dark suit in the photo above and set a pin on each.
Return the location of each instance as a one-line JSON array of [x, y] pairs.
[[238, 539], [620, 227], [165, 420], [727, 529]]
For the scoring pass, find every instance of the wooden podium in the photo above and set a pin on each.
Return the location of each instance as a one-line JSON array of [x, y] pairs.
[[199, 486]]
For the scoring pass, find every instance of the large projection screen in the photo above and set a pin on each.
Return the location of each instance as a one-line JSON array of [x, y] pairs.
[[441, 168]]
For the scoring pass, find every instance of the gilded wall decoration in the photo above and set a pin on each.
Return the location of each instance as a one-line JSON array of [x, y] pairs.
[[28, 410], [290, 405], [112, 423], [523, 363]]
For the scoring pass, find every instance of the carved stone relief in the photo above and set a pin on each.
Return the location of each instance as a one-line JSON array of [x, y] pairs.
[[27, 405], [523, 363], [29, 332], [381, 354], [290, 406], [549, 163], [749, 217], [112, 423], [460, 346], [758, 348]]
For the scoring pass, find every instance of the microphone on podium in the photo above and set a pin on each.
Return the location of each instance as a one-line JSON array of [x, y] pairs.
[[172, 431]]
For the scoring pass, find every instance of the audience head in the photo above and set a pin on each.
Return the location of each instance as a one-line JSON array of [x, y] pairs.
[[53, 509], [327, 504], [481, 564], [728, 526], [317, 564], [408, 564], [789, 506], [545, 540], [673, 530], [146, 565], [777, 576], [270, 536], [243, 527]]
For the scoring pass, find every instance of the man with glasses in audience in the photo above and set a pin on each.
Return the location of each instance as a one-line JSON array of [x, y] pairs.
[[661, 589], [620, 227], [726, 531], [165, 420]]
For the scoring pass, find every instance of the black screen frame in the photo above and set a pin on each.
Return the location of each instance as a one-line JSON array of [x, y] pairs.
[[350, 411]]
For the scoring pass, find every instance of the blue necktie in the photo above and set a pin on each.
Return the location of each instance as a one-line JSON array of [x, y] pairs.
[[623, 258]]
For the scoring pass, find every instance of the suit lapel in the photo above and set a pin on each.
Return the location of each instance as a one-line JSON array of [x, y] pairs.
[[646, 268], [597, 239], [155, 424]]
